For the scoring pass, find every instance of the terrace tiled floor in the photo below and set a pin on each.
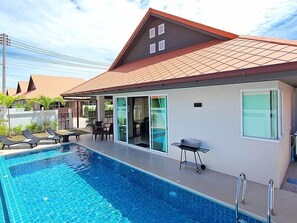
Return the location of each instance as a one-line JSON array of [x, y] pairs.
[[210, 183]]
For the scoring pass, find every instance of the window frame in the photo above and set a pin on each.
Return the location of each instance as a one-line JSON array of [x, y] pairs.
[[152, 32], [279, 113], [160, 44], [161, 29], [152, 50]]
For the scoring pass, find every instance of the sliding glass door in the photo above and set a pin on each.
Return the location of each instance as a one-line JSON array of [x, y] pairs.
[[122, 119], [158, 123], [145, 124]]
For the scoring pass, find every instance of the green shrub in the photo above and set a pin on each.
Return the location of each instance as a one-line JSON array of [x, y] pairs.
[[54, 125], [40, 128], [86, 111], [32, 127], [19, 105], [28, 106], [3, 121], [17, 130], [3, 130]]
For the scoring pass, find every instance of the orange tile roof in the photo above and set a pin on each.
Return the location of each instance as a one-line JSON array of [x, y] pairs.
[[215, 59], [51, 86], [22, 87], [11, 91]]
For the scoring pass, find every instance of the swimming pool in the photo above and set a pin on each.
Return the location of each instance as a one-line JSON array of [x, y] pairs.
[[71, 183]]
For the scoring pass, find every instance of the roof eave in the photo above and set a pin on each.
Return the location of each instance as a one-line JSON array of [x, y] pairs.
[[269, 69]]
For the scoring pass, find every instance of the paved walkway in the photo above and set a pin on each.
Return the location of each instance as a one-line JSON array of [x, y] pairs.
[[290, 181], [210, 183]]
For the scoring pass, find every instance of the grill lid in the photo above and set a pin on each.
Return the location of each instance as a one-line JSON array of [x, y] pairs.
[[190, 142]]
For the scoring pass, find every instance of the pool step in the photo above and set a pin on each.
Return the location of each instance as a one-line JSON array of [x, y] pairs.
[[38, 155]]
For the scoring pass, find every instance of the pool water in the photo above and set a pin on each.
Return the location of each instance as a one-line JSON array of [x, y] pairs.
[[71, 183]]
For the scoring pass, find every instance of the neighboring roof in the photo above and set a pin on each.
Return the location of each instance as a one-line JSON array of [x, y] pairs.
[[11, 91], [239, 57], [220, 34], [22, 87], [51, 86]]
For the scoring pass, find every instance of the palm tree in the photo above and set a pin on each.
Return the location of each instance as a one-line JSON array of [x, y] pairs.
[[8, 101], [46, 102]]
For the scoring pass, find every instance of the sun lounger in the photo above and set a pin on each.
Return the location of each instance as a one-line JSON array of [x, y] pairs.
[[52, 132], [64, 136], [29, 135], [7, 142]]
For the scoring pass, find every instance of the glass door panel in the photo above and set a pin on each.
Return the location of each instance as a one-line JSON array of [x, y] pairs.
[[158, 123], [122, 119]]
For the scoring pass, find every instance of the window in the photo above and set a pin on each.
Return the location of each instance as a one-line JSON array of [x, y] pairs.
[[260, 114], [152, 32], [161, 45], [161, 29], [152, 48]]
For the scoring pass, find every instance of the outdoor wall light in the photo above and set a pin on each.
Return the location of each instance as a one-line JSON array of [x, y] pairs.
[[197, 105]]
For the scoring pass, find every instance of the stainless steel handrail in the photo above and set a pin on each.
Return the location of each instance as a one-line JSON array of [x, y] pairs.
[[242, 177], [270, 201]]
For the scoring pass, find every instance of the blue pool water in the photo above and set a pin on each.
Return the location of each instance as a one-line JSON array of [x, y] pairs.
[[71, 183]]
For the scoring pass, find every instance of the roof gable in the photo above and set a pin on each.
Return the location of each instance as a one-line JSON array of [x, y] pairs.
[[178, 33], [50, 86], [31, 85], [11, 91], [22, 87]]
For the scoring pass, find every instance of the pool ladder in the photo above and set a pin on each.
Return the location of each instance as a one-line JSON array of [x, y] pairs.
[[241, 187], [270, 201]]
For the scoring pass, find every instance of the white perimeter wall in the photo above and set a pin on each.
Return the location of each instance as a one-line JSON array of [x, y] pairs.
[[28, 117], [218, 125]]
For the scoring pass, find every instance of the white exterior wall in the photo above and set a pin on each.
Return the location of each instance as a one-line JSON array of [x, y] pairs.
[[288, 96], [218, 125]]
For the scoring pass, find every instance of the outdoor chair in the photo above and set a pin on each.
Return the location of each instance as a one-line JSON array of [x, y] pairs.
[[96, 130], [29, 135], [52, 133], [7, 142], [109, 131]]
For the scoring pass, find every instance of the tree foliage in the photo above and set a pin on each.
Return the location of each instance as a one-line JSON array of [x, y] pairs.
[[47, 101], [8, 101]]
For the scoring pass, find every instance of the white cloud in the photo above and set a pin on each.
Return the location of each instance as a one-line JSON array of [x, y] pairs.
[[98, 30]]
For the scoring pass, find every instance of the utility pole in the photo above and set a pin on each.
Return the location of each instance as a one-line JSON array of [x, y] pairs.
[[4, 42]]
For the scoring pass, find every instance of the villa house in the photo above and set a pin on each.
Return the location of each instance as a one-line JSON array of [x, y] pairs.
[[51, 86], [177, 79]]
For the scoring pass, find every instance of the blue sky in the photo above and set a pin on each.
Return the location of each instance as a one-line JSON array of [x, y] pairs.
[[97, 30]]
